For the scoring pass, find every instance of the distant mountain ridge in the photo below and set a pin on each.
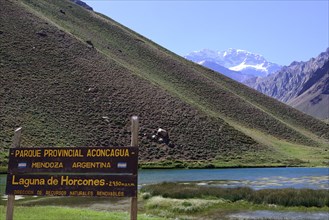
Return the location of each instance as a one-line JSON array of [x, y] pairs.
[[82, 4], [303, 85], [244, 64]]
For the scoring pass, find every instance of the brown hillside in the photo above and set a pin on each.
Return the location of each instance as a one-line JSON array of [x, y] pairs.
[[64, 91]]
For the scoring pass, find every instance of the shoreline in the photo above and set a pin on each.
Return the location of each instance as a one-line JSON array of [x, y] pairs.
[[3, 170]]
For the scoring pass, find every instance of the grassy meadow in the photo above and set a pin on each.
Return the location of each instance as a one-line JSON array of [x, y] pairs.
[[56, 212], [174, 201]]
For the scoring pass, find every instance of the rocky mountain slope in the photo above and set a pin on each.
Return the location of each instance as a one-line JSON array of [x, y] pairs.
[[74, 77], [244, 64], [303, 85]]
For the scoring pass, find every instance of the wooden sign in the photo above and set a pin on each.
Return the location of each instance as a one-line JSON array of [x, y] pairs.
[[106, 171], [118, 166], [72, 185], [73, 159]]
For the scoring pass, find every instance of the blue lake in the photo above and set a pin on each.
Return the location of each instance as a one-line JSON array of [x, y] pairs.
[[258, 178]]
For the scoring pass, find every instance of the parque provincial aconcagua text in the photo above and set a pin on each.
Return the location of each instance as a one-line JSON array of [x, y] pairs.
[[114, 152]]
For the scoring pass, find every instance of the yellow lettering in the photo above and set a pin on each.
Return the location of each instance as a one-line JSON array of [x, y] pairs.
[[81, 193], [48, 165], [55, 193], [62, 153], [110, 193], [27, 182], [66, 181], [13, 182], [91, 165], [23, 192], [28, 153], [117, 152]]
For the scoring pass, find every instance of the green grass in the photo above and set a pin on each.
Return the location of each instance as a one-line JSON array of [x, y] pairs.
[[171, 201], [150, 208], [3, 169], [309, 156], [290, 154], [55, 213]]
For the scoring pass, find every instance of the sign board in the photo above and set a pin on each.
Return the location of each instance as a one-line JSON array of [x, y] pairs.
[[73, 160], [107, 171], [73, 171], [72, 185]]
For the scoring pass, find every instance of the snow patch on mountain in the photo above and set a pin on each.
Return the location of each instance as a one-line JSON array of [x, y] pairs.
[[243, 66]]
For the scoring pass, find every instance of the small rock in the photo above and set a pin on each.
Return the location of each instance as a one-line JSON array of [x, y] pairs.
[[161, 132], [171, 144], [106, 118], [90, 43], [92, 90], [41, 33], [63, 12]]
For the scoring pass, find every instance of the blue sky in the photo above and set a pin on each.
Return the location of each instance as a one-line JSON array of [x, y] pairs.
[[281, 31]]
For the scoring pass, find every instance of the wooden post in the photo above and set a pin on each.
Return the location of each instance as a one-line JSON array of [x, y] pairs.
[[11, 198], [134, 143]]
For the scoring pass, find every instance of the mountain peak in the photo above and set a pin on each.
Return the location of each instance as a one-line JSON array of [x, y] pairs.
[[232, 50], [237, 60]]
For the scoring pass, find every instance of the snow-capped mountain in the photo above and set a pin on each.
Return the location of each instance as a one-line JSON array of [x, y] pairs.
[[240, 61]]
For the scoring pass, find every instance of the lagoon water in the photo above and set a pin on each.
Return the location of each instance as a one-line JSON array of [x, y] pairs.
[[257, 178], [277, 215]]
